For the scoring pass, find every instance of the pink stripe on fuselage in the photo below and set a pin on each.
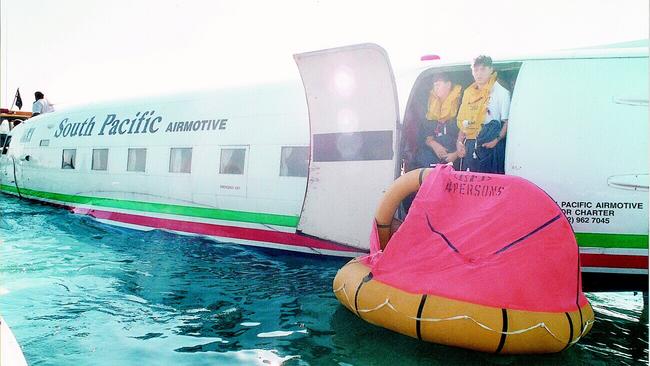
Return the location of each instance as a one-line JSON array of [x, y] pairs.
[[217, 230]]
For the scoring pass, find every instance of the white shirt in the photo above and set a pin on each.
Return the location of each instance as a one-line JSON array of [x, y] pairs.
[[42, 106], [499, 104]]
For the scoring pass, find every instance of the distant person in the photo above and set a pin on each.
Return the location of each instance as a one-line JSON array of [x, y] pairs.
[[41, 105], [483, 120], [439, 131]]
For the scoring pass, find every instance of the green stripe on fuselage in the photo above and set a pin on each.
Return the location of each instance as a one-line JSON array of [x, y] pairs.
[[208, 213], [627, 241]]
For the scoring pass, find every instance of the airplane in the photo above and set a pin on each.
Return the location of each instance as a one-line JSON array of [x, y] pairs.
[[302, 165]]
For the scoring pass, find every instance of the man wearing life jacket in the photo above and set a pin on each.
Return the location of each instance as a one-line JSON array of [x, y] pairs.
[[439, 131], [483, 120]]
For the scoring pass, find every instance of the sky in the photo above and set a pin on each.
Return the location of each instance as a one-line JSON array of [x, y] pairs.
[[78, 51]]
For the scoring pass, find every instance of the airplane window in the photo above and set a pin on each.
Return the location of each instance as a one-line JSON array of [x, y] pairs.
[[68, 158], [180, 160], [294, 161], [137, 160], [100, 159], [6, 145], [27, 136], [44, 143], [232, 161], [5, 127]]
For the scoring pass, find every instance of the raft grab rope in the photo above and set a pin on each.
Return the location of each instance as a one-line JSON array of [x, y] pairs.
[[466, 317]]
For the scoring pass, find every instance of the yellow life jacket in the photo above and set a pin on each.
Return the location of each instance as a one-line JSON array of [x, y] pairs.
[[446, 109], [474, 108]]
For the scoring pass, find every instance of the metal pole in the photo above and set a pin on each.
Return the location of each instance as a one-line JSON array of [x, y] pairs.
[[6, 53], [1, 23]]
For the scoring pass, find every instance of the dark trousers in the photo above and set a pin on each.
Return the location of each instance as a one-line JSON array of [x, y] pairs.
[[425, 157], [469, 162], [482, 160]]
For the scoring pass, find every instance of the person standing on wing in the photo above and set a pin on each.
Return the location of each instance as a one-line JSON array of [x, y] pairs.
[[41, 105], [483, 120]]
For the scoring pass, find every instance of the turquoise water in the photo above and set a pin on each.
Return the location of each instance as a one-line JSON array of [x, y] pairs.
[[78, 292]]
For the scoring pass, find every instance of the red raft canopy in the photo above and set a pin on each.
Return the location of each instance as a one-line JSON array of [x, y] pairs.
[[492, 240]]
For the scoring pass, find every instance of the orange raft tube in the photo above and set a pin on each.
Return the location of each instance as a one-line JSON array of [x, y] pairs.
[[447, 321]]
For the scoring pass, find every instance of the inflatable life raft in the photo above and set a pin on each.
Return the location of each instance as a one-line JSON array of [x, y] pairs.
[[484, 262]]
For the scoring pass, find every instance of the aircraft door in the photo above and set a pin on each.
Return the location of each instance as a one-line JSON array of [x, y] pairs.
[[233, 169], [353, 115], [11, 169]]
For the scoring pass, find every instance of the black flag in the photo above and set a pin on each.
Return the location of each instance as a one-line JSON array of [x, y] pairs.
[[19, 100]]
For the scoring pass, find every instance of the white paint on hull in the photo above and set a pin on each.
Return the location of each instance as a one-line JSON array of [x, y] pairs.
[[260, 244], [635, 271], [10, 352]]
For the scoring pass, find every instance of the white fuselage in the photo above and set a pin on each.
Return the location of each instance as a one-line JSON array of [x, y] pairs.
[[260, 121]]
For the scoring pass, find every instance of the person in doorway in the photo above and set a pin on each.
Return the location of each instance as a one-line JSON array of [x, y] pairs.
[[439, 131], [483, 120], [41, 105]]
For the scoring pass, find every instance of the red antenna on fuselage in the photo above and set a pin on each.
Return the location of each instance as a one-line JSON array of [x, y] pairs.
[[429, 58]]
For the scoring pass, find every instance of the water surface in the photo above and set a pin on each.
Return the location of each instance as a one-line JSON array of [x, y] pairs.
[[78, 292]]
